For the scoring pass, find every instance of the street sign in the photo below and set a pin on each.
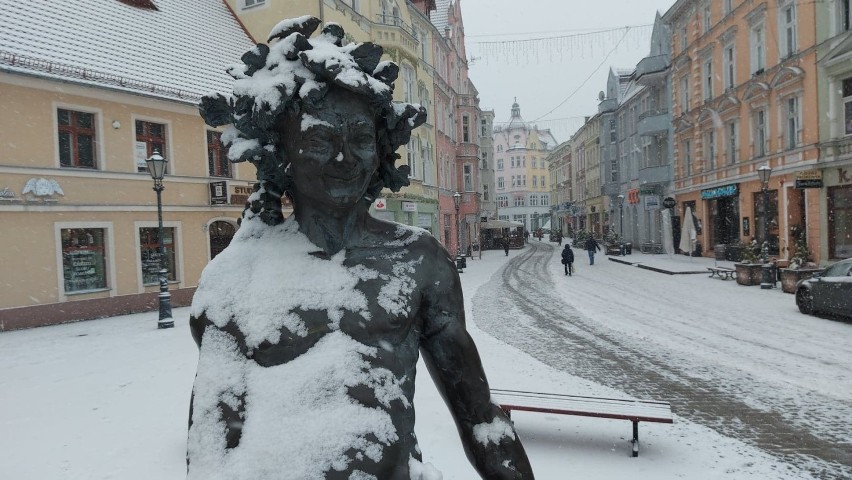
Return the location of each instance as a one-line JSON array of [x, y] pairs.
[[381, 204], [669, 202]]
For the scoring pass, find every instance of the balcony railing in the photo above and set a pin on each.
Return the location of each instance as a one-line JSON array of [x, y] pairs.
[[654, 122], [651, 65], [836, 149], [396, 22]]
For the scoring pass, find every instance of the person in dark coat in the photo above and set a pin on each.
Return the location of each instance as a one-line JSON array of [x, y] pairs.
[[568, 259], [591, 246], [559, 238], [506, 246]]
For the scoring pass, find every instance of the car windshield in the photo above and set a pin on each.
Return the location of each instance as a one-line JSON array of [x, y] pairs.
[[838, 270]]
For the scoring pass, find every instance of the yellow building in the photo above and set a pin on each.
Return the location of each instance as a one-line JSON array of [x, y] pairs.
[[86, 96]]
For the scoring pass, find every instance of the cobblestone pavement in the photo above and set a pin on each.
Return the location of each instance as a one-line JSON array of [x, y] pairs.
[[801, 428]]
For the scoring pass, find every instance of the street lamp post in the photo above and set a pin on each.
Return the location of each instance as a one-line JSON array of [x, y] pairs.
[[621, 224], [767, 282], [460, 263], [157, 169]]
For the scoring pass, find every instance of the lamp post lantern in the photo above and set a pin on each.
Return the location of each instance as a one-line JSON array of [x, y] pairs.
[[459, 260], [621, 224], [157, 169], [763, 173]]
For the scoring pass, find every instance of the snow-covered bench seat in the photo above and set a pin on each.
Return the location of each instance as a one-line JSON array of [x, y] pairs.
[[722, 272], [634, 410]]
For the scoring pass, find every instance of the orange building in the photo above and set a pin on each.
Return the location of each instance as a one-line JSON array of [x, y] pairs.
[[744, 95]]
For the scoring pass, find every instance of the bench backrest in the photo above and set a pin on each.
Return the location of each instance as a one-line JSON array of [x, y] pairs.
[[635, 410]]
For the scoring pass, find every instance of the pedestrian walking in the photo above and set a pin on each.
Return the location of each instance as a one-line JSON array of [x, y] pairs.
[[506, 246], [559, 238], [568, 259], [526, 236], [591, 246]]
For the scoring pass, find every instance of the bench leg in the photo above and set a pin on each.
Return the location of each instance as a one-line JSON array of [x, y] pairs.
[[635, 440]]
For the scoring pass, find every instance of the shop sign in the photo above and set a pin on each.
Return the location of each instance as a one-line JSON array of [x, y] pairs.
[[241, 195], [669, 202], [140, 151], [809, 179], [843, 176], [633, 196], [219, 193], [409, 207], [424, 220], [7, 195], [719, 192], [380, 204], [649, 190], [652, 202]]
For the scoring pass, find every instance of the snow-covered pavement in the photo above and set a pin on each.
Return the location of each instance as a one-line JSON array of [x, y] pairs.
[[108, 399]]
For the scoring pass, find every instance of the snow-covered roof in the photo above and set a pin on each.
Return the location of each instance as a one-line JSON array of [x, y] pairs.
[[440, 17], [178, 51]]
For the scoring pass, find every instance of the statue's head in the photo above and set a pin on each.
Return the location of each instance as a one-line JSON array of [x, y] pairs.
[[314, 100]]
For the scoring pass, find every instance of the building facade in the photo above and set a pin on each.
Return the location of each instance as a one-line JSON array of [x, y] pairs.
[[83, 110], [560, 170], [521, 172], [744, 81]]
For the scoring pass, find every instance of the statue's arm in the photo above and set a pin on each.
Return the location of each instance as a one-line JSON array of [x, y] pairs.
[[488, 436]]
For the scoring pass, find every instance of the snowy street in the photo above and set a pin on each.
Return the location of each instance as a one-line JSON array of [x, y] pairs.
[[740, 360], [759, 391]]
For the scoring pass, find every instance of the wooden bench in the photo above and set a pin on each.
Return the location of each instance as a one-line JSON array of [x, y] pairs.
[[634, 410], [722, 272]]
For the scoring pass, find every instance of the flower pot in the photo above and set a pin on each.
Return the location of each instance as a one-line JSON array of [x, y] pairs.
[[749, 273], [790, 277]]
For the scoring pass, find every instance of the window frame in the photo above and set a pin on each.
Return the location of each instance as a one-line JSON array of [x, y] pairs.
[[707, 78], [108, 255], [96, 143], [787, 29], [732, 141], [687, 157], [792, 122], [223, 168], [760, 136], [846, 104], [729, 58], [177, 241], [166, 143], [757, 47]]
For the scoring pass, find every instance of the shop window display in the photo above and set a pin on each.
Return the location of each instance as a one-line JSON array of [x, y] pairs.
[[150, 254], [83, 259]]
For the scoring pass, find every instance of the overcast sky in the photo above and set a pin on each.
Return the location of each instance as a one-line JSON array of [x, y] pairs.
[[542, 74]]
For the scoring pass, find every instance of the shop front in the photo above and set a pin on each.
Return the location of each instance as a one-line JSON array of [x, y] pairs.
[[722, 206], [838, 196]]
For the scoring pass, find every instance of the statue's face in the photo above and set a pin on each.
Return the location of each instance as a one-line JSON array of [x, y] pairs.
[[333, 150]]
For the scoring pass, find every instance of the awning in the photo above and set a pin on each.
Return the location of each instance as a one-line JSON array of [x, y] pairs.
[[499, 224]]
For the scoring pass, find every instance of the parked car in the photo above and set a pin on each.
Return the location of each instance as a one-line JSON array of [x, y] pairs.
[[828, 292]]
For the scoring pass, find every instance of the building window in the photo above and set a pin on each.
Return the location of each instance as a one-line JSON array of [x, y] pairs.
[[411, 156], [485, 193], [500, 184], [710, 150], [708, 79], [519, 201], [840, 221], [684, 94], [253, 3], [787, 30], [499, 164], [523, 180], [468, 177], [758, 49], [707, 21], [728, 6], [733, 143], [76, 139], [730, 64], [847, 105], [760, 133], [149, 252], [465, 129], [535, 181], [792, 122], [217, 156], [845, 14], [533, 200], [408, 83], [150, 137], [545, 200], [483, 129], [687, 158], [83, 259], [612, 132], [684, 39]]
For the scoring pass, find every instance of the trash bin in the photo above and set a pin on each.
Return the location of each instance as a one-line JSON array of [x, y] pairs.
[[628, 248], [719, 251]]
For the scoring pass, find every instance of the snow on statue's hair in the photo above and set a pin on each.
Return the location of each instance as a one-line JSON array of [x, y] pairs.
[[293, 72]]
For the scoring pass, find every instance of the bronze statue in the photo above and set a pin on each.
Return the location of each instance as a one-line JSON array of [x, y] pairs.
[[310, 328]]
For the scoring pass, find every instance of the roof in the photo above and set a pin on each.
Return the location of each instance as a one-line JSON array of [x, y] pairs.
[[440, 17], [178, 51]]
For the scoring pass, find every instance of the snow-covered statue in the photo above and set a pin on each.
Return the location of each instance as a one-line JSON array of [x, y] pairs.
[[310, 328]]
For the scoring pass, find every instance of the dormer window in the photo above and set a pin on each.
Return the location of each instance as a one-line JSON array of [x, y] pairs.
[[144, 4], [253, 3]]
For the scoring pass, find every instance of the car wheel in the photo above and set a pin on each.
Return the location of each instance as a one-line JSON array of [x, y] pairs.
[[804, 301]]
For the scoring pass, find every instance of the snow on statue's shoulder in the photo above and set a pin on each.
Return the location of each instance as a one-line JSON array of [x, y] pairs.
[[260, 280], [405, 235]]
